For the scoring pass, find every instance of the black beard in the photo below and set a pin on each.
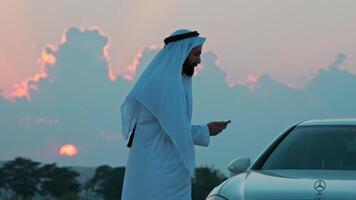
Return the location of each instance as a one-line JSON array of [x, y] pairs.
[[188, 68]]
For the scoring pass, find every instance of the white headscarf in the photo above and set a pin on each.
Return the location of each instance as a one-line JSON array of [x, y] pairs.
[[167, 94]]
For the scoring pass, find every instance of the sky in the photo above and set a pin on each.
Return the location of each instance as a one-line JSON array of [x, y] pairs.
[[66, 67]]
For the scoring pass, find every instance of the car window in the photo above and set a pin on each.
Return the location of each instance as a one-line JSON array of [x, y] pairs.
[[315, 147]]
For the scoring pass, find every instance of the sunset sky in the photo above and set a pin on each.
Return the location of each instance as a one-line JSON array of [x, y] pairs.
[[55, 55]]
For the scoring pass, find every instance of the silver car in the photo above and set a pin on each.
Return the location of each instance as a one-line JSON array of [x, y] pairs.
[[312, 160]]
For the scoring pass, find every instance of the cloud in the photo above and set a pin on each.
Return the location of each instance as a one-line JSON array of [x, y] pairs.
[[110, 136], [27, 121], [73, 99], [334, 87], [78, 102], [89, 41], [132, 70], [24, 88], [261, 107]]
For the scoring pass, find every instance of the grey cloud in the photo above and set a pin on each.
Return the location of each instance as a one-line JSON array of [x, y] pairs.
[[259, 116], [79, 94]]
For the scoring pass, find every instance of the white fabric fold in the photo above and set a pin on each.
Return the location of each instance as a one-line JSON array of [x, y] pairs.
[[167, 95]]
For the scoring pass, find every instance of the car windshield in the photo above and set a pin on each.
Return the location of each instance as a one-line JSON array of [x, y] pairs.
[[315, 147]]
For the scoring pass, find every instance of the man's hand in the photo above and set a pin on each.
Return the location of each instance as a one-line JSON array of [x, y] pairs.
[[216, 127]]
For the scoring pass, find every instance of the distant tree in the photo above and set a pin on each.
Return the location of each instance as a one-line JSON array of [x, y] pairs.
[[107, 182], [87, 188], [70, 196], [98, 183], [113, 189], [59, 182], [2, 182], [21, 176], [204, 181], [45, 183]]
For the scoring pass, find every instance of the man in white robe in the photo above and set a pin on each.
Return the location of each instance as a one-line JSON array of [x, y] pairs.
[[156, 123]]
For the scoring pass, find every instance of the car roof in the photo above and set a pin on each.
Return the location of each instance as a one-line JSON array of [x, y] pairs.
[[339, 121]]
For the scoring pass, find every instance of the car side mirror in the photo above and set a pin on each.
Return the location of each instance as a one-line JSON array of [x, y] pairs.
[[239, 165]]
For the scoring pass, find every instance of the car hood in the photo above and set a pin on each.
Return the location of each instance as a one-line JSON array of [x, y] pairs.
[[291, 184]]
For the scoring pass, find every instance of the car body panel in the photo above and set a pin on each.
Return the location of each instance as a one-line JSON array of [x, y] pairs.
[[256, 184], [345, 121], [299, 184], [289, 184]]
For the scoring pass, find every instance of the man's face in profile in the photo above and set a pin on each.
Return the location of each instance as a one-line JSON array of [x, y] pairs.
[[192, 61]]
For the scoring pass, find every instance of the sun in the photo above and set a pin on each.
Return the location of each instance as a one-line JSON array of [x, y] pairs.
[[68, 150]]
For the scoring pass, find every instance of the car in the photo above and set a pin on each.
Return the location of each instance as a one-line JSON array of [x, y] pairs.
[[311, 160]]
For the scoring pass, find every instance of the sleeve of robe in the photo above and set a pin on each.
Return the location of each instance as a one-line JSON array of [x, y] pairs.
[[201, 135]]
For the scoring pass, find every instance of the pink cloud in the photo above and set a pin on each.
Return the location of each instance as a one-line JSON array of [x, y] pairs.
[[293, 86], [109, 136], [131, 70], [252, 81], [24, 88], [27, 121], [48, 59]]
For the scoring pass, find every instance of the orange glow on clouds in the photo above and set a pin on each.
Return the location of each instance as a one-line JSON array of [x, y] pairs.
[[68, 150], [132, 68], [24, 88], [252, 79], [48, 58], [18, 48], [252, 82]]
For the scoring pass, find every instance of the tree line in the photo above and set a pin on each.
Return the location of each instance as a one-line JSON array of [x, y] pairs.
[[25, 179]]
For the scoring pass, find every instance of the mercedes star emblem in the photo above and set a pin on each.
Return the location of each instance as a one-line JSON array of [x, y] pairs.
[[319, 185]]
